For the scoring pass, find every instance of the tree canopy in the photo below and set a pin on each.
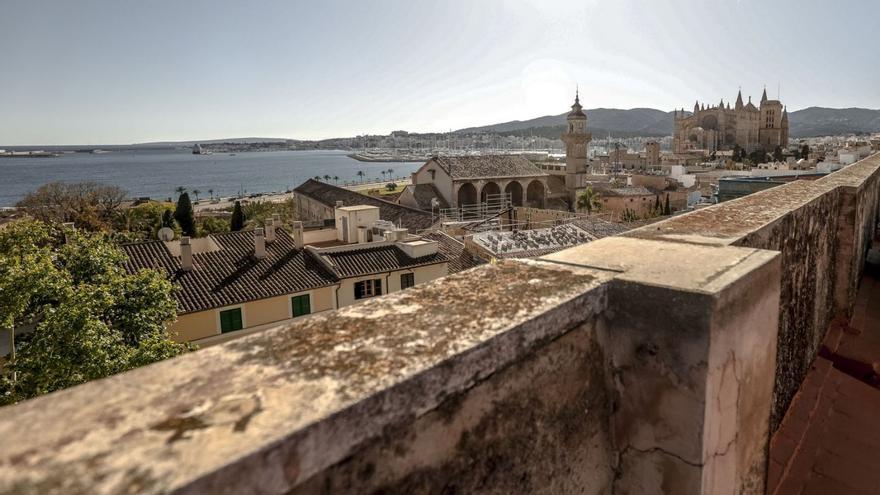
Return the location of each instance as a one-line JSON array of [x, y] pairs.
[[90, 205], [236, 223], [184, 215], [89, 317]]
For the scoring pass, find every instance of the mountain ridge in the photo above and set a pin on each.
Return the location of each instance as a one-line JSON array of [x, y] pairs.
[[807, 122]]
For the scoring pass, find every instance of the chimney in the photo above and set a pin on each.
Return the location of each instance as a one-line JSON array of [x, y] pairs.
[[270, 230], [259, 243], [186, 254], [298, 235]]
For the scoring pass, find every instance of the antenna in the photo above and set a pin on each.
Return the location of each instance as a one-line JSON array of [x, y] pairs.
[[778, 90]]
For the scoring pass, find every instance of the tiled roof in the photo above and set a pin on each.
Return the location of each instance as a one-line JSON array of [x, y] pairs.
[[424, 193], [232, 275], [329, 194], [474, 167], [600, 228], [530, 243], [377, 259], [628, 191], [459, 258]]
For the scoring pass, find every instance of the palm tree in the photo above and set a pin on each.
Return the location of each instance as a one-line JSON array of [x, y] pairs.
[[383, 175], [211, 192], [318, 178], [361, 175], [196, 194], [180, 190], [326, 178], [588, 200], [391, 173], [335, 180]]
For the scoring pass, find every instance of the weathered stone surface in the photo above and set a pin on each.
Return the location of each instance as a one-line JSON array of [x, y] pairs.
[[691, 348], [266, 412]]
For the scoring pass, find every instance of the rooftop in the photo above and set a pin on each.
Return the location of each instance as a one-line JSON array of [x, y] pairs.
[[329, 194], [488, 166], [231, 275]]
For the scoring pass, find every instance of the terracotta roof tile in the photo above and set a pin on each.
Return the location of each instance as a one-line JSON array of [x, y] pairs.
[[328, 194]]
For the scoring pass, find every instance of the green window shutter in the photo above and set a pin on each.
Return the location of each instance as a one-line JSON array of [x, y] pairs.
[[230, 320], [301, 305]]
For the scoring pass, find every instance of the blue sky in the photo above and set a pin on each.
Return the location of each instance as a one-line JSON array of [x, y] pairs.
[[123, 71]]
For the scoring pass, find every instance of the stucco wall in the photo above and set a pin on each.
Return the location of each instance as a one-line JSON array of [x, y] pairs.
[[441, 180], [390, 281], [204, 324]]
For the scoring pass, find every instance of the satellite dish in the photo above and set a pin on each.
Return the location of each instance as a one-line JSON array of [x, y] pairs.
[[166, 234]]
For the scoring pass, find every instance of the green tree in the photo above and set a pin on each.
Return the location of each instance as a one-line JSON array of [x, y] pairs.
[[236, 223], [213, 225], [184, 215], [658, 210], [179, 190], [168, 219], [361, 175], [629, 216], [777, 154], [805, 152], [335, 179], [91, 318], [667, 210], [196, 193], [211, 193], [327, 178], [588, 200]]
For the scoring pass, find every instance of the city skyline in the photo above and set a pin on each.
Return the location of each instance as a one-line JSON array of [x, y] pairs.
[[120, 72]]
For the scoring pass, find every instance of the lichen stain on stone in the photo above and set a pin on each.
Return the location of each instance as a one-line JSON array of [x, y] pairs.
[[355, 349], [235, 410]]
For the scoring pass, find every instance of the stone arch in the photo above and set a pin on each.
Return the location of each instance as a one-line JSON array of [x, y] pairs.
[[709, 122], [535, 194], [489, 188], [467, 194], [515, 190]]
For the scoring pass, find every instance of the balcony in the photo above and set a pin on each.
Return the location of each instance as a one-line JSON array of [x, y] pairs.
[[662, 360]]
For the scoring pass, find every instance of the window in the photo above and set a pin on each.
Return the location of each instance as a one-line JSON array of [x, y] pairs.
[[407, 280], [302, 305], [367, 288], [230, 320]]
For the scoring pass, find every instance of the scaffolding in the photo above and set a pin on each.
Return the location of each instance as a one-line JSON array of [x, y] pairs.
[[492, 205]]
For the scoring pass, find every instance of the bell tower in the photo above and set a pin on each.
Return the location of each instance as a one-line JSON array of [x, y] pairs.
[[576, 139]]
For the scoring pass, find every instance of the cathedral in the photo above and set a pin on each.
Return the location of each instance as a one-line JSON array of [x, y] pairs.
[[720, 127]]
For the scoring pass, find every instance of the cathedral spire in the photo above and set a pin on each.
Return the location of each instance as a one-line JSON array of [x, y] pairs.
[[764, 96], [785, 114], [739, 99], [697, 106], [577, 109]]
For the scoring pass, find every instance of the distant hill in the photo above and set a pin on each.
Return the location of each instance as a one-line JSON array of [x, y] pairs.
[[813, 121], [622, 123], [818, 121], [245, 140]]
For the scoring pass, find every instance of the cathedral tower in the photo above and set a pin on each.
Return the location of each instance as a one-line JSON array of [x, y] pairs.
[[576, 139]]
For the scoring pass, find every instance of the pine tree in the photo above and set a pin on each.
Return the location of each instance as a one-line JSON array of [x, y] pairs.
[[184, 216], [168, 219], [657, 209], [667, 210], [236, 223]]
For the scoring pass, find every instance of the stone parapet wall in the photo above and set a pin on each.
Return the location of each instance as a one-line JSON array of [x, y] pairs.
[[813, 224], [633, 364]]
